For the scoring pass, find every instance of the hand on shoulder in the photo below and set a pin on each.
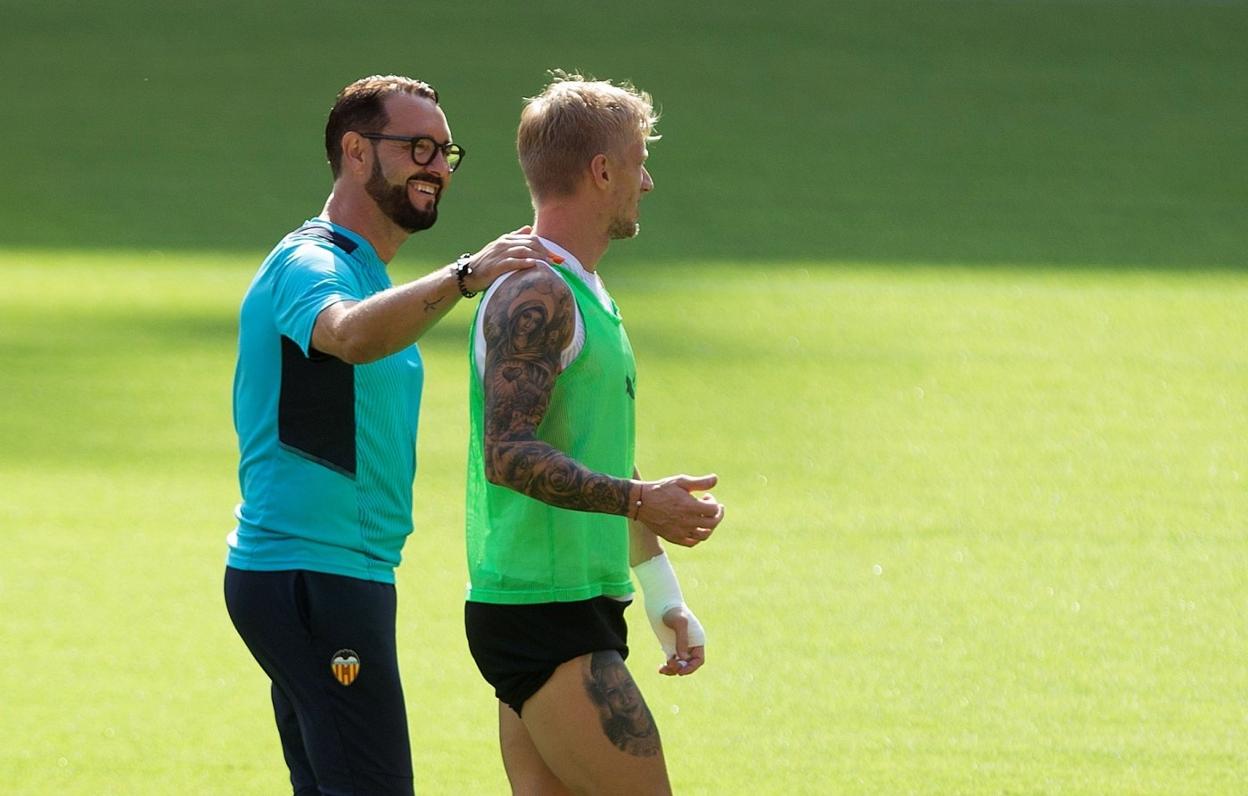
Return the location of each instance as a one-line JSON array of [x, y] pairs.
[[513, 251]]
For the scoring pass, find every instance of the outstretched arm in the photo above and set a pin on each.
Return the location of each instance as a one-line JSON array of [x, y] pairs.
[[363, 331]]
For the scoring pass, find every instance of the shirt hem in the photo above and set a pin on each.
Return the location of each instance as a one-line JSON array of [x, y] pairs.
[[567, 595], [380, 574]]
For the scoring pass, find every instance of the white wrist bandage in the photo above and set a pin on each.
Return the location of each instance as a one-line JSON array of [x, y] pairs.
[[662, 593]]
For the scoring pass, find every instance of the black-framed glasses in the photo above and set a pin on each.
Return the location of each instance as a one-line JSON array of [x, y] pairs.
[[424, 148]]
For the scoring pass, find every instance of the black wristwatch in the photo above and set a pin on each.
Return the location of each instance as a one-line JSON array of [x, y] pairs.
[[463, 268]]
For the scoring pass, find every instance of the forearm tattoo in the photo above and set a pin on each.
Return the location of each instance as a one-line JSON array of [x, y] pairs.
[[528, 322], [625, 718], [431, 306]]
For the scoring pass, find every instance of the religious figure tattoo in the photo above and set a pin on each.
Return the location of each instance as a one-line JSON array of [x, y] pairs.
[[528, 322], [626, 720]]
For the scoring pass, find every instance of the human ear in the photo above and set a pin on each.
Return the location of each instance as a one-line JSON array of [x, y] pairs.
[[599, 171], [353, 152]]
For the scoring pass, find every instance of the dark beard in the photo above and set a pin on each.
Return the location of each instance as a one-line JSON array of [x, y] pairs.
[[393, 201]]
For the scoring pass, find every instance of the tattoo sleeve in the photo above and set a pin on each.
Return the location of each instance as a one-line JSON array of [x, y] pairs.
[[528, 322]]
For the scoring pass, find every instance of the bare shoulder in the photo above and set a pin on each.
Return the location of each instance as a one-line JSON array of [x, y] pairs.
[[531, 312]]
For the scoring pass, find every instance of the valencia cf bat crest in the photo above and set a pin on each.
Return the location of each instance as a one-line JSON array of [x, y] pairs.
[[346, 666]]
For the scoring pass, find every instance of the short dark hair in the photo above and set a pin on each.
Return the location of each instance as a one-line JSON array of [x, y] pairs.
[[361, 106]]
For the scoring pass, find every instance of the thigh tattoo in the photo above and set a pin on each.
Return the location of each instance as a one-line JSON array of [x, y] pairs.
[[625, 718]]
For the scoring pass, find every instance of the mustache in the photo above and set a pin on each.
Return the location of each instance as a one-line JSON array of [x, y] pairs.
[[427, 177]]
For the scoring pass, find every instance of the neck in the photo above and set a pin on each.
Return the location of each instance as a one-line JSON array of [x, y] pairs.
[[360, 214], [574, 229]]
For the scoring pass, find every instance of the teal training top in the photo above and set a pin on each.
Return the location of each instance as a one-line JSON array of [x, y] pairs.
[[327, 449]]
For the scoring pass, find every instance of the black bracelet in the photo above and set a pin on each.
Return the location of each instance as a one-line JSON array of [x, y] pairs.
[[463, 268]]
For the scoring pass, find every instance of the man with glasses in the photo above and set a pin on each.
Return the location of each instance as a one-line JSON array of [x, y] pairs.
[[556, 512], [326, 397]]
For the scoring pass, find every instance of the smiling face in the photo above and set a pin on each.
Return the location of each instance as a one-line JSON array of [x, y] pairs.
[[633, 183], [408, 193]]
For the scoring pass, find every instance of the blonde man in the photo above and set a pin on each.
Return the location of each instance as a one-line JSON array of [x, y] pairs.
[[557, 512]]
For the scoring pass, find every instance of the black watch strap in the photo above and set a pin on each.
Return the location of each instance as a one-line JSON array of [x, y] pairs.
[[463, 268]]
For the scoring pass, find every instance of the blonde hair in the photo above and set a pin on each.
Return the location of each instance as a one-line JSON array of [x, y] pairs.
[[571, 121]]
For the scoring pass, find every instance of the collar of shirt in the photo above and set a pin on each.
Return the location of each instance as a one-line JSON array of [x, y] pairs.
[[364, 253], [592, 280]]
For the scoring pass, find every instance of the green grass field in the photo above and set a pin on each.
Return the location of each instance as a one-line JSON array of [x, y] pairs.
[[986, 532], [953, 295], [931, 131]]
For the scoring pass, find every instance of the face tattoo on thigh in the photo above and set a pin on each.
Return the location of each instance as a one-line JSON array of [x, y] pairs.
[[625, 718]]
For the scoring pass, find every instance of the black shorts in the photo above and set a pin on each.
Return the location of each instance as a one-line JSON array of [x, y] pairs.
[[327, 643], [518, 647]]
